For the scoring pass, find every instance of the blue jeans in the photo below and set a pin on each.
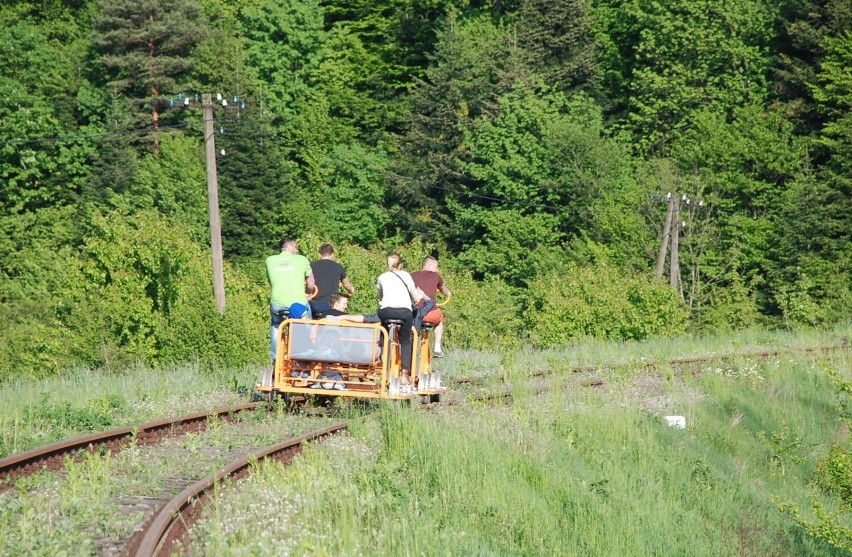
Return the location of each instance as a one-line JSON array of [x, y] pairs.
[[275, 320]]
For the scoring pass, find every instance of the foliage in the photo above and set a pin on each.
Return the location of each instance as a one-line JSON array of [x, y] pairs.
[[152, 300], [257, 191], [834, 475], [525, 141], [692, 57], [600, 301], [730, 308], [173, 183], [39, 79], [354, 186], [469, 68], [827, 527], [133, 293], [484, 314], [558, 36], [144, 46]]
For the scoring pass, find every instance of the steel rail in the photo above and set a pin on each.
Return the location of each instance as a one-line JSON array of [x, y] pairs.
[[171, 522], [28, 462], [677, 363]]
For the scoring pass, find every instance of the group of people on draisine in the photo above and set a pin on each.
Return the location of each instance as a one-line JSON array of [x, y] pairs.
[[408, 297]]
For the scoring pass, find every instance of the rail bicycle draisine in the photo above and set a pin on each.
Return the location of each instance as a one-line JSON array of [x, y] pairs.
[[341, 358]]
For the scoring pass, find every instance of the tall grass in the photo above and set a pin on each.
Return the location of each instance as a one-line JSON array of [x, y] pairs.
[[577, 471], [591, 352], [570, 471], [36, 412]]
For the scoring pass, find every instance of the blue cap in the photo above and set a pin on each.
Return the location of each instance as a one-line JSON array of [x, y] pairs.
[[297, 310]]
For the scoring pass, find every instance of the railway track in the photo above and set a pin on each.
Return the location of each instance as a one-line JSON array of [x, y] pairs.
[[166, 520], [678, 365], [174, 519], [52, 456]]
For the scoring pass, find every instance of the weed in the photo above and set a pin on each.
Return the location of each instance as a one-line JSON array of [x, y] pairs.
[[784, 450], [834, 476]]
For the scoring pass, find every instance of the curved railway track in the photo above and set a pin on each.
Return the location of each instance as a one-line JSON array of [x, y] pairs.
[[173, 520], [51, 456], [169, 520]]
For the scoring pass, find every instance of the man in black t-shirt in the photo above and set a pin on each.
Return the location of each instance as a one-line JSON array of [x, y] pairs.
[[328, 274]]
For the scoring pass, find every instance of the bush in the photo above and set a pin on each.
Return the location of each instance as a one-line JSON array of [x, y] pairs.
[[603, 302], [139, 289], [834, 476]]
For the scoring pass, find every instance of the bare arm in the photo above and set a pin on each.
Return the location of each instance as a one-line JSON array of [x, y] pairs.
[[311, 283], [353, 318], [348, 286]]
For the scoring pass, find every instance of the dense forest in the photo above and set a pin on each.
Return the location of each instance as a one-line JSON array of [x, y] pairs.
[[535, 146]]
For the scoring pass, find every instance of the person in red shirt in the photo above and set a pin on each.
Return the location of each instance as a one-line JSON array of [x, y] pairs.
[[430, 282]]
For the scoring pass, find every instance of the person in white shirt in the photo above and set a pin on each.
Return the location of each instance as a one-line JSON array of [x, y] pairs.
[[397, 298]]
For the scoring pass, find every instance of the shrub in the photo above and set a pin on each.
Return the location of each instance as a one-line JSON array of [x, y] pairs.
[[601, 301], [834, 475]]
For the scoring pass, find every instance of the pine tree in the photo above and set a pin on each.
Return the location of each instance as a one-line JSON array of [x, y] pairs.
[[558, 36], [144, 46]]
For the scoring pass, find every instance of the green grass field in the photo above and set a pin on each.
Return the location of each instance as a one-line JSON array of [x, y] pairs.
[[563, 468]]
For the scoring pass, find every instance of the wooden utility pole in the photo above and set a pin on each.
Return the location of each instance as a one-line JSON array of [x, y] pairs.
[[674, 263], [213, 204], [664, 241]]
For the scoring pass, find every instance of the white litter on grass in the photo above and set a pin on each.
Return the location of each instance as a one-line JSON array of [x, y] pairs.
[[675, 421]]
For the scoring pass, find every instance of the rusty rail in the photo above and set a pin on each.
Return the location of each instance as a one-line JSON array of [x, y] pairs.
[[172, 521], [51, 456]]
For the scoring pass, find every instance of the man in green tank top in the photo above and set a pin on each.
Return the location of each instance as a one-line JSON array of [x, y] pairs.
[[290, 276]]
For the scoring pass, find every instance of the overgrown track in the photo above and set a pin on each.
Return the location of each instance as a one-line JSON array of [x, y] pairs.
[[173, 520], [679, 365], [51, 456]]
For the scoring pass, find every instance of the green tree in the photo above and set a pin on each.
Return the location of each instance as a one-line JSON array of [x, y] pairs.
[[354, 179], [710, 55], [46, 149], [799, 48], [397, 36], [537, 174], [558, 35], [511, 207], [144, 46], [469, 69], [145, 294], [283, 40], [814, 241], [258, 191], [740, 166], [174, 183]]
